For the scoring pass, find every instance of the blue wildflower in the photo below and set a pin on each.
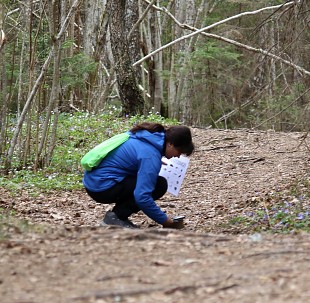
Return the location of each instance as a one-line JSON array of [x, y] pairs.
[[287, 203], [300, 216]]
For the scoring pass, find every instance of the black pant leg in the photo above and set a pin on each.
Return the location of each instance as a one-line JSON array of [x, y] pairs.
[[127, 206], [122, 195], [160, 188]]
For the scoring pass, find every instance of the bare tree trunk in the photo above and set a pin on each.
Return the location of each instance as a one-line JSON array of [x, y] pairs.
[[130, 95], [42, 160], [24, 146], [3, 85], [33, 34], [62, 6], [131, 18], [158, 64], [36, 86], [94, 10], [185, 13], [95, 30], [155, 64], [173, 108], [194, 17]]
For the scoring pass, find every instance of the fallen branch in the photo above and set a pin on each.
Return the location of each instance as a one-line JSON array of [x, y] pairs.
[[283, 252], [304, 137], [219, 147], [138, 291], [106, 278], [253, 160]]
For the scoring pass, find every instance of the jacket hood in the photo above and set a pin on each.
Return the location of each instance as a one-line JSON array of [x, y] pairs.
[[156, 139]]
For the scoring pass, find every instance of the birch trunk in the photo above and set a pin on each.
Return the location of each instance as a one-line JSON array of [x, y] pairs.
[[185, 13], [194, 17], [3, 84], [173, 108], [158, 66]]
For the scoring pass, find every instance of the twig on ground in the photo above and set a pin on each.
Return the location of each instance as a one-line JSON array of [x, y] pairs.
[[304, 137], [271, 253], [218, 147], [253, 160], [138, 291], [106, 278]]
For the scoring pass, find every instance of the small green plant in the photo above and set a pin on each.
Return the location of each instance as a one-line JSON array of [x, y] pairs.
[[283, 211], [237, 220]]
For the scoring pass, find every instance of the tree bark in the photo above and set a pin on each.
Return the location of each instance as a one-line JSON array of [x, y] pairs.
[[3, 84], [131, 98], [158, 65]]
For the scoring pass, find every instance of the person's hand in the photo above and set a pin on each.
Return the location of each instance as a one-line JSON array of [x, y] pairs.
[[173, 224]]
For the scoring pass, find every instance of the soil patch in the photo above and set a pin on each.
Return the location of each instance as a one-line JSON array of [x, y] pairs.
[[63, 256]]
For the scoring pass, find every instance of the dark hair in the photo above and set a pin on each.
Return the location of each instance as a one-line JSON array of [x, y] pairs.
[[149, 126], [178, 135], [181, 138]]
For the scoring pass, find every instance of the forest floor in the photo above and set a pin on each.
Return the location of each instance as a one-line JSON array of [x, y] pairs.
[[63, 255]]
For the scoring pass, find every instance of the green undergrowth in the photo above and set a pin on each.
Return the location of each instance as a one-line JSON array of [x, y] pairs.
[[77, 133], [280, 211]]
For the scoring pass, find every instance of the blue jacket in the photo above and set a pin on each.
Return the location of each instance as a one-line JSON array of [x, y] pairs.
[[139, 156]]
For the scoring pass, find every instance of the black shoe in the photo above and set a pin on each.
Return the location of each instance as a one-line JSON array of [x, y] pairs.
[[111, 218], [127, 221]]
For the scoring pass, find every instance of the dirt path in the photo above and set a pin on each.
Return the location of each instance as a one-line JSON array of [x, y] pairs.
[[65, 257]]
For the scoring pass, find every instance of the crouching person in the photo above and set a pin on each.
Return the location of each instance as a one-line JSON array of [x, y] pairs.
[[128, 175]]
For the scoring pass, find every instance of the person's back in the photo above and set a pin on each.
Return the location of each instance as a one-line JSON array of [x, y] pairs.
[[126, 160], [129, 175]]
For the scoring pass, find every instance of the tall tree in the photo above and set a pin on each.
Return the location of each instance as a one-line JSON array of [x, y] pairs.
[[95, 46], [179, 97], [3, 83], [131, 97]]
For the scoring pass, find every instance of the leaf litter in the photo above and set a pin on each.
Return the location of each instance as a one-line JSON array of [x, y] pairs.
[[53, 249]]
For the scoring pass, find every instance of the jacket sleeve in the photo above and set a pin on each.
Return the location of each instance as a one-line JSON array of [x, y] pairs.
[[148, 171]]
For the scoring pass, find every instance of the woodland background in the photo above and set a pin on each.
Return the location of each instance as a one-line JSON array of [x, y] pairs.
[[216, 63], [74, 72]]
